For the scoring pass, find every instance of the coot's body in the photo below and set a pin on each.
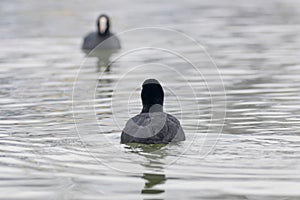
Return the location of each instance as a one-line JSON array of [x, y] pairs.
[[147, 130], [102, 36], [152, 125], [108, 42]]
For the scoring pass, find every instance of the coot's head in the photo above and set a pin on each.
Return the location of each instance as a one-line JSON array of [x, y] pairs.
[[103, 25], [152, 96]]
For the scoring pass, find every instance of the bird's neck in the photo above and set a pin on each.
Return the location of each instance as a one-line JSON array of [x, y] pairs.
[[105, 34], [152, 108]]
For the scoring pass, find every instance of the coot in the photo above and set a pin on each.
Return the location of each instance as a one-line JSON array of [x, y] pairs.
[[103, 34], [152, 125]]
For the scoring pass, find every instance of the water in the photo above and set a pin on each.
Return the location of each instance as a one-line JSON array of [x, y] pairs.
[[61, 114]]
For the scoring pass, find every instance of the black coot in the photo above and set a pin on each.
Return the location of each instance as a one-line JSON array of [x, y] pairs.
[[103, 34], [152, 125]]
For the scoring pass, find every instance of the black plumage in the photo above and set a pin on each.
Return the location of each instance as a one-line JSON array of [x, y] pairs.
[[152, 125]]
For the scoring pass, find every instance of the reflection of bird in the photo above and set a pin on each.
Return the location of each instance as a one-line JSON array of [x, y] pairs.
[[153, 180], [102, 35], [152, 125]]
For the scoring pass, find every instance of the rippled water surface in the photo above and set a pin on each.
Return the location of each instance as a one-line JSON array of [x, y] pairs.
[[62, 113]]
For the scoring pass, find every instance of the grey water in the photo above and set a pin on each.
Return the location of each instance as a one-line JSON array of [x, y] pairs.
[[236, 92]]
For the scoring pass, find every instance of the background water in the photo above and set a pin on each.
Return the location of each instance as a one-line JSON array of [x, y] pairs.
[[61, 114]]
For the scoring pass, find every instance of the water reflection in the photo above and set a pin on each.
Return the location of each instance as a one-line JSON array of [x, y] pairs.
[[103, 55], [154, 175], [151, 181]]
